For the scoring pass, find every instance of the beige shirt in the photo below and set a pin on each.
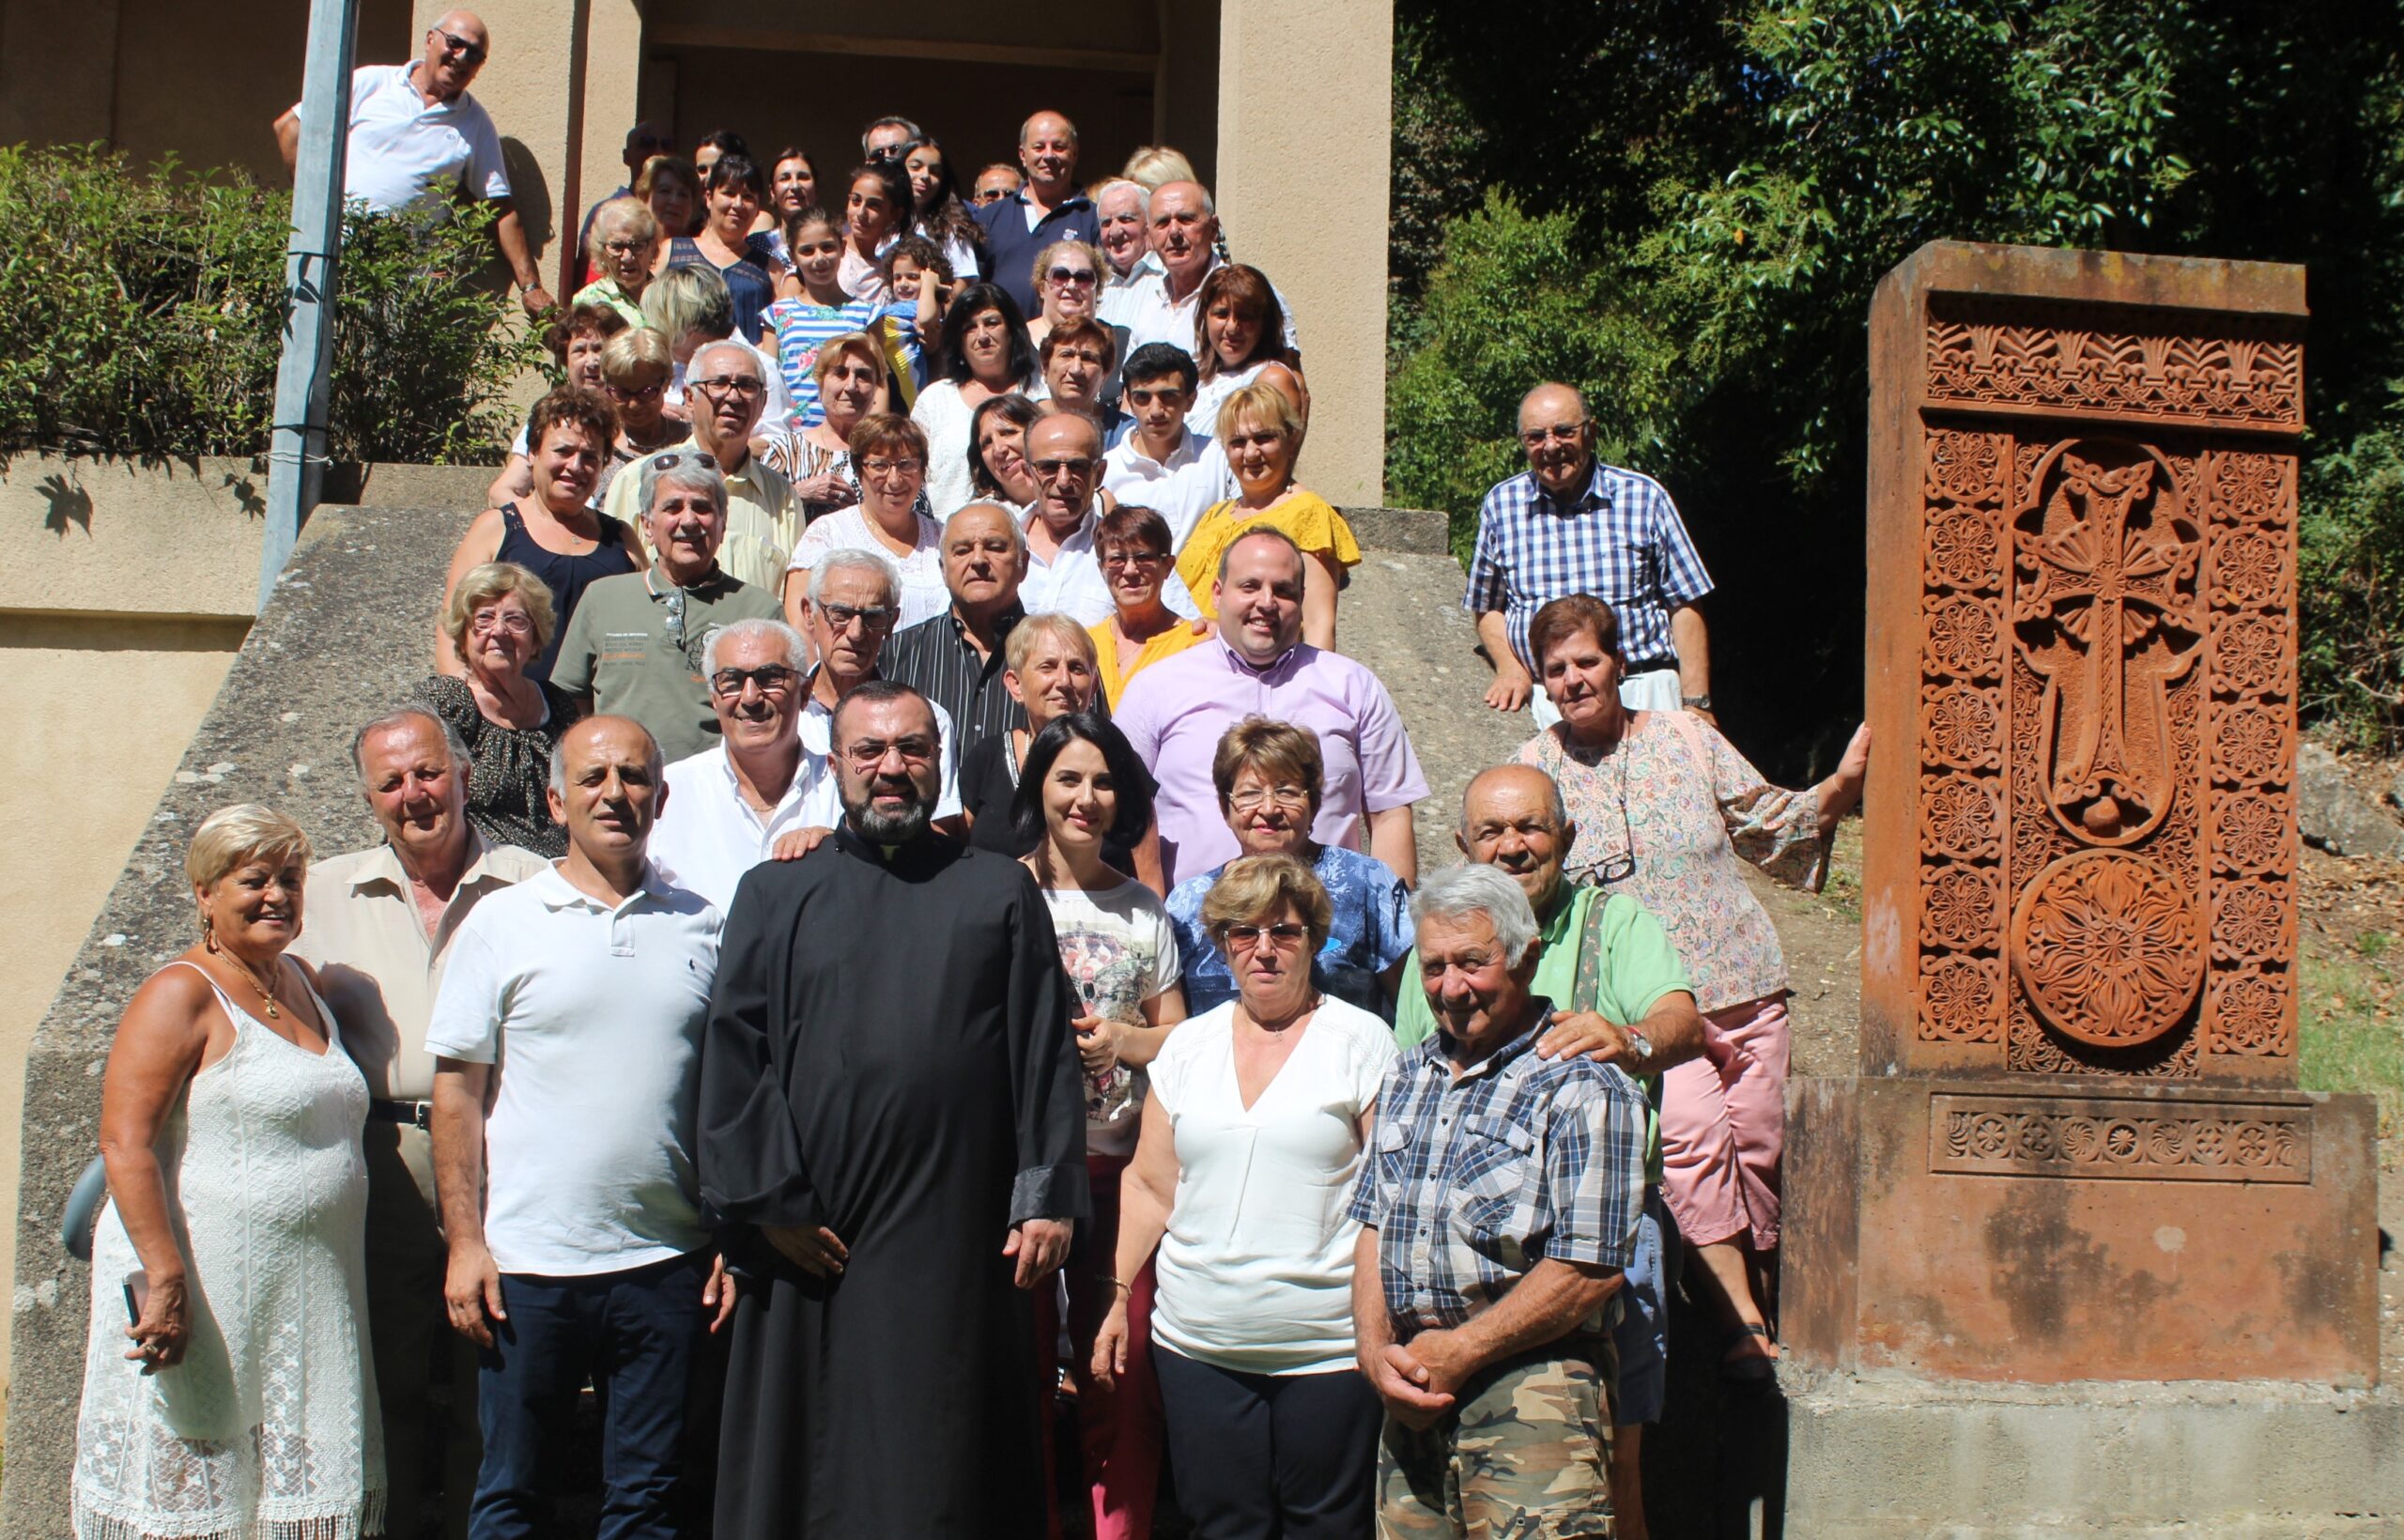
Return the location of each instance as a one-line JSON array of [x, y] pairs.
[[376, 965], [763, 518]]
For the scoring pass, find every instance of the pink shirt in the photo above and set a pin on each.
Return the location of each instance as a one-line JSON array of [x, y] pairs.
[[1174, 712]]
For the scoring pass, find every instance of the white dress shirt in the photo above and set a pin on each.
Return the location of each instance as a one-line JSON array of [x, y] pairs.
[[823, 804], [1149, 314], [708, 835], [1071, 582]]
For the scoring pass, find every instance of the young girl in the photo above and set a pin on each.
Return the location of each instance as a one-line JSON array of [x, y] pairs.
[[918, 281], [876, 208], [798, 327]]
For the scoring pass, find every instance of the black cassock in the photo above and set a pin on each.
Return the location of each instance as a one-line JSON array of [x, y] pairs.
[[889, 1056]]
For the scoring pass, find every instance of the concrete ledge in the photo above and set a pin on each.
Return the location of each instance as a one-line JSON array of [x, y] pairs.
[[343, 635], [1888, 1457], [134, 537], [1409, 532], [452, 487]]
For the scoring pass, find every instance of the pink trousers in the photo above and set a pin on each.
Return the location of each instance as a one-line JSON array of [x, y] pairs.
[[1120, 1430], [1723, 1127]]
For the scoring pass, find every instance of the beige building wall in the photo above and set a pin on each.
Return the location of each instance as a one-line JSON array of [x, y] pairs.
[[1305, 133], [127, 592]]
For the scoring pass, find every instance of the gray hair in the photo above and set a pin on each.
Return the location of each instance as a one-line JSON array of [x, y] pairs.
[[1473, 888], [796, 655], [720, 344], [856, 559], [690, 469], [1560, 807], [402, 716], [684, 299], [655, 762]]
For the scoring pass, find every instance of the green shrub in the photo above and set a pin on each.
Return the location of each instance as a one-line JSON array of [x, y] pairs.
[[144, 318], [2351, 583]]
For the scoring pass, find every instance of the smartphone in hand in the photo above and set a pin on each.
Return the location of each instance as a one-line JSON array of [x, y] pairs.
[[137, 1295]]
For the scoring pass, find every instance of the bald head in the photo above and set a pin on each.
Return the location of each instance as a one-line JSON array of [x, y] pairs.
[[1512, 817], [1047, 147], [1184, 227], [1557, 437], [455, 46]]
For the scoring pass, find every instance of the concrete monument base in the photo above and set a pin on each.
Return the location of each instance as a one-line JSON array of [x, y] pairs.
[[2053, 1228], [1883, 1456]]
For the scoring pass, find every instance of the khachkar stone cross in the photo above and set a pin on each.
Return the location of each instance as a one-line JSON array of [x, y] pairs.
[[2079, 932]]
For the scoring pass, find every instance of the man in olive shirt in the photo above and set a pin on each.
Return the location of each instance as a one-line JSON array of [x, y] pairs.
[[380, 925], [634, 647], [1641, 1016]]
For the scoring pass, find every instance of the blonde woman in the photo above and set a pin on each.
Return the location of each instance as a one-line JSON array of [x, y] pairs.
[[239, 1402], [499, 619], [1260, 429]]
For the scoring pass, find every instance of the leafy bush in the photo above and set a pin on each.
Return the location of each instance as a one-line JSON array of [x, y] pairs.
[[144, 318], [2350, 581]]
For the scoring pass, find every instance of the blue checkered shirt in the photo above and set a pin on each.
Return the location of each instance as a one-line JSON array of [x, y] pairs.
[[1622, 541], [1475, 1181]]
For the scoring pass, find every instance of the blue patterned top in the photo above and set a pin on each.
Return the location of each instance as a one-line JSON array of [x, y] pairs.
[[1369, 932]]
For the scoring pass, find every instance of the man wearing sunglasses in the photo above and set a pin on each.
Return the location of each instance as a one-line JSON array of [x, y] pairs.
[[1064, 454], [417, 138], [1621, 996], [1570, 524]]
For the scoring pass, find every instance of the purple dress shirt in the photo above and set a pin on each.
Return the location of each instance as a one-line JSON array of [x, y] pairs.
[[1174, 712]]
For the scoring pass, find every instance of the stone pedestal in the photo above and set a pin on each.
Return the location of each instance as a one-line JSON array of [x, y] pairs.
[[2075, 1150]]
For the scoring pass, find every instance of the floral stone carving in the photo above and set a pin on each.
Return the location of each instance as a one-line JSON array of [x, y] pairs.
[[2109, 948]]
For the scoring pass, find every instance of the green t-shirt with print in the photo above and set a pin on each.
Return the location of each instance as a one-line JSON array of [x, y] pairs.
[[637, 653]]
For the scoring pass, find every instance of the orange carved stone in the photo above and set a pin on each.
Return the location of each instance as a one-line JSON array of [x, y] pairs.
[[2108, 947]]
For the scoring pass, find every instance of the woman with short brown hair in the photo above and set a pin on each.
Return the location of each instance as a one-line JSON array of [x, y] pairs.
[[889, 455]]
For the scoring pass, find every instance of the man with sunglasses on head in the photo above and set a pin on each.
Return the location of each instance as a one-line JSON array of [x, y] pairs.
[[726, 386], [416, 136], [1570, 524], [638, 643], [1621, 996]]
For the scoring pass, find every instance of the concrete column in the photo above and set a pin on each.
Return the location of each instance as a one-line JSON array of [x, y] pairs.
[[611, 66], [1305, 116]]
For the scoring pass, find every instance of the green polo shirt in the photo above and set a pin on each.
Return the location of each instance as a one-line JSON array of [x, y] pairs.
[[1644, 966], [622, 653]]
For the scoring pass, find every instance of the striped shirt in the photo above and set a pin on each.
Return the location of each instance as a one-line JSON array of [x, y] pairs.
[[1621, 541], [934, 658], [804, 326], [1477, 1180]]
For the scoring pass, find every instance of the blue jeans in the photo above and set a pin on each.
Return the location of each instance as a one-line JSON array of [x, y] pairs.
[[637, 1335], [1642, 1332]]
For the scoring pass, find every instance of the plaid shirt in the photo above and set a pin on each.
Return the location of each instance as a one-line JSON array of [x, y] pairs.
[[1477, 1180], [1622, 542]]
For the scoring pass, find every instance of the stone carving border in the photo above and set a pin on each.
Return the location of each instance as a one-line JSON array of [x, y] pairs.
[[2119, 1138], [1990, 351]]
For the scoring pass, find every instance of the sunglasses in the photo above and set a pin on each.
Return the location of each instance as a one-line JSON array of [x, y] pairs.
[[1071, 275], [772, 678], [454, 43]]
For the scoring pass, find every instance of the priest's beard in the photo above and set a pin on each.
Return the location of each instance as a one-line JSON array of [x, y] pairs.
[[882, 828]]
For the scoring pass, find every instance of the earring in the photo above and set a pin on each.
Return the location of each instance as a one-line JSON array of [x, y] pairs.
[[208, 937]]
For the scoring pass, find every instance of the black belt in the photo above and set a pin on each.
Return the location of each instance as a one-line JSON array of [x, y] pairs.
[[415, 1113], [1648, 668]]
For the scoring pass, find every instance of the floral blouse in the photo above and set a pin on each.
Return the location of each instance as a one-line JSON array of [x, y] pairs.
[[1680, 798]]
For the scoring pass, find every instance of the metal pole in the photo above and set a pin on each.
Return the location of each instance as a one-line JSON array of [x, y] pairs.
[[297, 453]]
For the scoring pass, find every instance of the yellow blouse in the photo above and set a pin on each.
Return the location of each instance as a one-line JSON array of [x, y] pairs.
[[1169, 643], [1316, 527]]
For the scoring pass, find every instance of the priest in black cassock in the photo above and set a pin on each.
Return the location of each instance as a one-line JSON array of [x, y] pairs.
[[893, 1141]]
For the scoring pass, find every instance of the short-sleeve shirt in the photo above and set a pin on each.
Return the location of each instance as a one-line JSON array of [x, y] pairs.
[[1174, 712], [1368, 931], [634, 647], [1475, 1180], [708, 835], [1621, 540], [1119, 951], [1255, 1268], [923, 594], [404, 153], [803, 326], [597, 1011]]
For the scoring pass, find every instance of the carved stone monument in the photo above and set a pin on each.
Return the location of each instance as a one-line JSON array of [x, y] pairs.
[[2075, 1150]]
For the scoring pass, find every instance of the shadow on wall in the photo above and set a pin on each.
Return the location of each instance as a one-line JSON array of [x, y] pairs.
[[68, 503], [537, 207]]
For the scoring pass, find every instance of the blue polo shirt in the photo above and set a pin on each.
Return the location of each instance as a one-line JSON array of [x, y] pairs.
[[1011, 247]]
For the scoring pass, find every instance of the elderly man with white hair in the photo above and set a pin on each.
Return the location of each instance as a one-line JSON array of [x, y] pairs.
[[1185, 239], [1496, 1224], [1126, 242], [727, 805], [726, 385], [636, 643]]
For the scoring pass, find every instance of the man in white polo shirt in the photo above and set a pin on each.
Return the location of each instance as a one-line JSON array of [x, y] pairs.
[[416, 136], [571, 1207]]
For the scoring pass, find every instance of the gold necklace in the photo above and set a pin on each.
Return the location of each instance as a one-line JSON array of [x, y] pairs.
[[265, 993]]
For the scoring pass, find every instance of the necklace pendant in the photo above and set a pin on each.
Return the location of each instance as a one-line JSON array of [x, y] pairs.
[[274, 1014]]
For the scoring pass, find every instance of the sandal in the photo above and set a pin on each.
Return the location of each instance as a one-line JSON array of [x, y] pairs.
[[1749, 1368]]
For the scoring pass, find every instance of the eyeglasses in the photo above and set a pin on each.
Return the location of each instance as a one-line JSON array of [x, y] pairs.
[[454, 43], [1046, 469], [892, 468], [623, 393], [1071, 275], [874, 617], [1568, 433], [513, 622], [1248, 936], [625, 248], [867, 753], [772, 678], [1253, 797], [1133, 559], [737, 385]]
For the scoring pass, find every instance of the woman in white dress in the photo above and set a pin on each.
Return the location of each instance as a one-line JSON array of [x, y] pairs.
[[238, 1404]]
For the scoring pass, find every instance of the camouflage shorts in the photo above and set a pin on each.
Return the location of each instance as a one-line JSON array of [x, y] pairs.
[[1526, 1456]]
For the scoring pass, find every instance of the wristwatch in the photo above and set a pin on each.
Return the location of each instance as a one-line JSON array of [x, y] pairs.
[[1641, 1045], [1696, 703]]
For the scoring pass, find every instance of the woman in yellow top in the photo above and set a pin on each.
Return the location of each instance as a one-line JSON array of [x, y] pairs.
[[1132, 545], [1261, 431]]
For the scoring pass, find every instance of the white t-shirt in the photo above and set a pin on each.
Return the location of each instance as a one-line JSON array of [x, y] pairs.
[[1119, 949], [923, 594], [598, 1013], [1255, 1271], [403, 152]]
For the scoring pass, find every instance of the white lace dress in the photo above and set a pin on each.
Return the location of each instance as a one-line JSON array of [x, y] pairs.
[[266, 1429]]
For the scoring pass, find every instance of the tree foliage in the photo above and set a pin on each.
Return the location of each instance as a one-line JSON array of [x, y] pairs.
[[146, 317], [1685, 209]]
